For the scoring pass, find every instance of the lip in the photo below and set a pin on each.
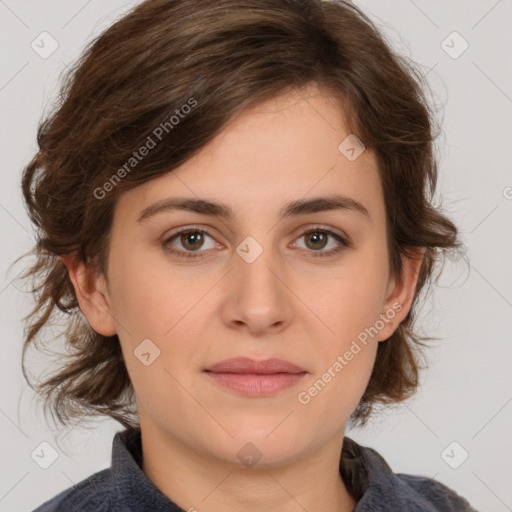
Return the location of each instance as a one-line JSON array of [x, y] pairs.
[[248, 365], [254, 378]]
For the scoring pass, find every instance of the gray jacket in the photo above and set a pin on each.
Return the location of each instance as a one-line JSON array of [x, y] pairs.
[[124, 487]]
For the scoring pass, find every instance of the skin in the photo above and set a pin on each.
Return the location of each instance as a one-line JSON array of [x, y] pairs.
[[287, 304]]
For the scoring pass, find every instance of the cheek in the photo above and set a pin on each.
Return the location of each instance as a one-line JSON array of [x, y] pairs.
[[352, 300], [161, 305], [331, 395], [343, 360], [149, 297], [350, 307]]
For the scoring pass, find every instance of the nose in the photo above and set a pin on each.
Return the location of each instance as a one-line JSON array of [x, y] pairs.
[[257, 295]]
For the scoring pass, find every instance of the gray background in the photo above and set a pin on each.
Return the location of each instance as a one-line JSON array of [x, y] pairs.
[[466, 393]]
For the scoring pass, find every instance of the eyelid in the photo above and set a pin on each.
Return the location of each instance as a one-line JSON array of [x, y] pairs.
[[325, 227], [189, 228], [303, 230]]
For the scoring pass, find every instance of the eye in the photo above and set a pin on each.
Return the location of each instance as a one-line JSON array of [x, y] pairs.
[[192, 239], [318, 238]]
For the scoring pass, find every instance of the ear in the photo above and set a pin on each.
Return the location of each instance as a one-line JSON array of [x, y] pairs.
[[400, 293], [92, 294]]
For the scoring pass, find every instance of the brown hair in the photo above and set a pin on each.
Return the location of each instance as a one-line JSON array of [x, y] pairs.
[[218, 58]]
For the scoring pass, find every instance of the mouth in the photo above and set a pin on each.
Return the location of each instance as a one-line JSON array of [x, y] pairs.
[[256, 378]]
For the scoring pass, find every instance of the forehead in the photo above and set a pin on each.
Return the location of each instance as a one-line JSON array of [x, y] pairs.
[[275, 152]]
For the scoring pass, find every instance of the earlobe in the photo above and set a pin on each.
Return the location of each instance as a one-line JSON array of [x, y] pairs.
[[401, 293], [92, 295]]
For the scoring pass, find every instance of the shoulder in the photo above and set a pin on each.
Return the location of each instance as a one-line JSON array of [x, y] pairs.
[[377, 488], [436, 494], [95, 494]]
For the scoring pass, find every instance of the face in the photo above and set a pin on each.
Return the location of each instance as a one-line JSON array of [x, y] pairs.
[[311, 287]]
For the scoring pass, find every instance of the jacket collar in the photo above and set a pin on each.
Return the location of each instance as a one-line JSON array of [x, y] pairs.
[[135, 491], [366, 474]]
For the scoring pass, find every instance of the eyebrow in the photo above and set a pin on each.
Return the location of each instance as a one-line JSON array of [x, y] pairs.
[[292, 208]]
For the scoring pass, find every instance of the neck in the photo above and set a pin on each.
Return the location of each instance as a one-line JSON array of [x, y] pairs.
[[203, 482]]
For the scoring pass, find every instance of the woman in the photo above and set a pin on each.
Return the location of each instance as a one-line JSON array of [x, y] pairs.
[[234, 205]]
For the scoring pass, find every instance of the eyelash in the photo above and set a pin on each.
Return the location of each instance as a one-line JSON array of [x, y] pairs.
[[344, 243]]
